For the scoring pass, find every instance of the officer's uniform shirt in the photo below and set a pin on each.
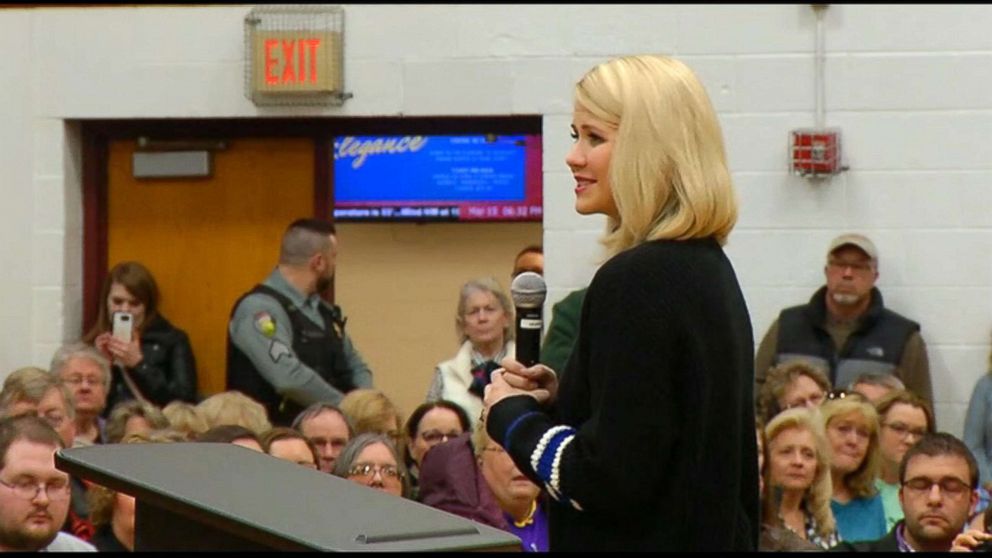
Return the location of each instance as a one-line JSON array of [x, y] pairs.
[[261, 329]]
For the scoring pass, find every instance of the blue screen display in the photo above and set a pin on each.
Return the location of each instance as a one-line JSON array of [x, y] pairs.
[[468, 177], [429, 169]]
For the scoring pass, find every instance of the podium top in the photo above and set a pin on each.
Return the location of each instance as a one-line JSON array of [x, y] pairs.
[[274, 502]]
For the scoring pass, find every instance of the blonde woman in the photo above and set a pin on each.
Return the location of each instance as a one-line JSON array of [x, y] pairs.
[[797, 473], [371, 411], [851, 423], [650, 431], [234, 407]]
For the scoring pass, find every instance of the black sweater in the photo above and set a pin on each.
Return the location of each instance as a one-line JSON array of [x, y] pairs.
[[659, 450]]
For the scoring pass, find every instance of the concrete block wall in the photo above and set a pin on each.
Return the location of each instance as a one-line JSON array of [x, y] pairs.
[[907, 84]]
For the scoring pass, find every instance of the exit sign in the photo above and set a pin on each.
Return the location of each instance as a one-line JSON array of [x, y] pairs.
[[296, 62]]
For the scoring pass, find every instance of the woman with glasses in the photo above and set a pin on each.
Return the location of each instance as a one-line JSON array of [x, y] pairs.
[[796, 383], [429, 425], [484, 325], [904, 418], [371, 459], [851, 424], [796, 487]]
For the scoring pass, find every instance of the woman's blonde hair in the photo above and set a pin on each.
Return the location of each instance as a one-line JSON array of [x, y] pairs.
[[234, 407], [370, 411], [668, 168], [861, 481], [820, 492], [184, 418]]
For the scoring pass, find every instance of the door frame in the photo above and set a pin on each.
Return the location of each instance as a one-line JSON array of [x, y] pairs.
[[97, 134]]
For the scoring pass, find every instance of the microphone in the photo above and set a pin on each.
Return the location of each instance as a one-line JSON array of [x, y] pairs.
[[528, 291]]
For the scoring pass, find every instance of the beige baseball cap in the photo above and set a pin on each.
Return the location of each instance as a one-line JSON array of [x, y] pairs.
[[853, 239]]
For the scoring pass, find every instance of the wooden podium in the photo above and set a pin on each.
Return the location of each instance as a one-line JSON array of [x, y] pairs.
[[200, 496]]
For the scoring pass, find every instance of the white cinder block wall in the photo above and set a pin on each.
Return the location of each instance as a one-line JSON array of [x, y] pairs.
[[909, 85]]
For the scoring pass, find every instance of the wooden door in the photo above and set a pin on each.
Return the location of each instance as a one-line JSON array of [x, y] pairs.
[[209, 240]]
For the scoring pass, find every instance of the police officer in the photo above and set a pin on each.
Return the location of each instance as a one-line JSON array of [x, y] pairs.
[[286, 346]]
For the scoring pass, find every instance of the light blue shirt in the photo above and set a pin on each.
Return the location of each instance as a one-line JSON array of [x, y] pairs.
[[861, 519], [978, 426]]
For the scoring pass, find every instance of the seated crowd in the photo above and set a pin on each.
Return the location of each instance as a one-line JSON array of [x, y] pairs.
[[859, 467]]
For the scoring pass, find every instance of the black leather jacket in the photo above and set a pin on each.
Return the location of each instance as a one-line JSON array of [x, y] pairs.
[[166, 373]]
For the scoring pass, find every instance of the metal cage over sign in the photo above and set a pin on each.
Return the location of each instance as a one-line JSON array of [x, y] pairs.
[[294, 55]]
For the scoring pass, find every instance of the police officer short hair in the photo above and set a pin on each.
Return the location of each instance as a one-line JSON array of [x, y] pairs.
[[304, 238]]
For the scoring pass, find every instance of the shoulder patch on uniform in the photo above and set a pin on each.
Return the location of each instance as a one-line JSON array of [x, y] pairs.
[[278, 349], [264, 323]]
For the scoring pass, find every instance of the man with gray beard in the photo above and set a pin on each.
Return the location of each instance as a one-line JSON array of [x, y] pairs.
[[845, 328]]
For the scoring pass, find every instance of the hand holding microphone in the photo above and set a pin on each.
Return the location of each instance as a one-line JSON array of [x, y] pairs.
[[525, 373]]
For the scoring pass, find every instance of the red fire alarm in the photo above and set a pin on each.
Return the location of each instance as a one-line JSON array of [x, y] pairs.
[[816, 152]]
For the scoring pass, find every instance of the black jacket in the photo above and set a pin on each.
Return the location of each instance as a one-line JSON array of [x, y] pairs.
[[653, 447], [167, 371], [888, 543]]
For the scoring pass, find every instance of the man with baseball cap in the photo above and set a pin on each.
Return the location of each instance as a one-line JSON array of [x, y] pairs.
[[846, 329]]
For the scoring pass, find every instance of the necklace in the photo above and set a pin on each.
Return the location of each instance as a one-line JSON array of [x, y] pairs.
[[530, 516]]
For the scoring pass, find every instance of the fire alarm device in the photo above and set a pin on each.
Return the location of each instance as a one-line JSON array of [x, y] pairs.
[[816, 152]]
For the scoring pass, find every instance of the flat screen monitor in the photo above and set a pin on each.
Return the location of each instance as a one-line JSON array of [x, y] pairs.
[[464, 178]]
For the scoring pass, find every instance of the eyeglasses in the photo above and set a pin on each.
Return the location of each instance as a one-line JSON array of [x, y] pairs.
[[436, 436], [903, 430], [844, 394], [57, 489], [368, 470], [858, 267], [811, 401], [949, 486], [79, 380]]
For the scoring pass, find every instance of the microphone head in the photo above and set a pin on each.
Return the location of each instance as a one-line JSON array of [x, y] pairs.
[[528, 290]]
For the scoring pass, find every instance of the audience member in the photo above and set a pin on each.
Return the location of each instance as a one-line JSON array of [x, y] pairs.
[[371, 411], [133, 417], [904, 418], [87, 373], [876, 386], [288, 444], [531, 258], [34, 497], [796, 496], [933, 518], [563, 330], [484, 325], [978, 426], [33, 391], [518, 497], [182, 416], [429, 425], [328, 429], [846, 327], [792, 384], [450, 481], [371, 459], [852, 432], [157, 364], [287, 347], [234, 407], [112, 512], [232, 434]]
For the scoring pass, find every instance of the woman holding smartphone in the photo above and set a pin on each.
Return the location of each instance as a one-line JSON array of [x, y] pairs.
[[153, 360], [648, 443]]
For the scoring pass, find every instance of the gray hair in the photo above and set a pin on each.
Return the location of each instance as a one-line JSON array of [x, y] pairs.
[[484, 285], [354, 448], [319, 408], [65, 353], [882, 380], [31, 384]]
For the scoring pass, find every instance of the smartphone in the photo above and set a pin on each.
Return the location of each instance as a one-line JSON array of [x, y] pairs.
[[122, 326]]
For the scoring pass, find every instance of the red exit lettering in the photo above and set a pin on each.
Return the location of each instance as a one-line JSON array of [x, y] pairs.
[[297, 60]]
